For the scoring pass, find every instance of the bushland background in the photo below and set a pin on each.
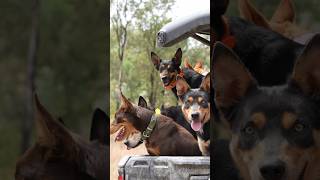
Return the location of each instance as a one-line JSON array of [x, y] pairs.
[[59, 48], [133, 28]]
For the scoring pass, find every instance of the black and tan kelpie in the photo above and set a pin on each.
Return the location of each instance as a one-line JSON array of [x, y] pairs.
[[170, 69], [165, 138], [275, 130], [261, 50], [196, 109], [59, 154], [173, 112]]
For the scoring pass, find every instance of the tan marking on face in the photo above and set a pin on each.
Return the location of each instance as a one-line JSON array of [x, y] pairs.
[[205, 114], [288, 120], [190, 99], [186, 113], [129, 128], [200, 99], [259, 119], [237, 157]]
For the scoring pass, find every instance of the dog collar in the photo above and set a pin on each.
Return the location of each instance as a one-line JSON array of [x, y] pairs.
[[174, 82], [147, 132]]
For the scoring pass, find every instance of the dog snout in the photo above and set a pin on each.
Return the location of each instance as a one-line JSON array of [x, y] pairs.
[[195, 115], [126, 143], [274, 171]]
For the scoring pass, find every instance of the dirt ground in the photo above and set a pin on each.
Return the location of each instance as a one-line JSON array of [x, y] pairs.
[[119, 150]]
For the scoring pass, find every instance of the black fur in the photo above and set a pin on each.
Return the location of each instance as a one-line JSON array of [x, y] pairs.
[[262, 51], [176, 114]]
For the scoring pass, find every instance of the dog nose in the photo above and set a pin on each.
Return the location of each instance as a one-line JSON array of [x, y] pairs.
[[195, 115], [164, 78], [126, 143], [273, 171]]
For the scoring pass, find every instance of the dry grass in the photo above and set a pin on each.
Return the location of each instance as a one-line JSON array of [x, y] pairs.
[[119, 150]]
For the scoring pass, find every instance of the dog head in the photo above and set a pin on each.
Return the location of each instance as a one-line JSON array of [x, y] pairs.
[[168, 69], [274, 129], [195, 102], [134, 138], [59, 154], [125, 121]]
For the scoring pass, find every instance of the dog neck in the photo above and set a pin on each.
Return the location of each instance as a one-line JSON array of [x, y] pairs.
[[144, 116]]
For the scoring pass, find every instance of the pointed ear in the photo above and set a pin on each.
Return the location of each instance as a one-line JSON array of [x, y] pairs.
[[51, 133], [285, 12], [155, 60], [142, 102], [306, 72], [182, 87], [126, 105], [198, 65], [250, 13], [187, 64], [231, 79], [205, 84], [100, 126], [177, 57]]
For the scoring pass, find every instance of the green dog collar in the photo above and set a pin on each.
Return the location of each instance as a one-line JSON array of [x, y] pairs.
[[147, 132]]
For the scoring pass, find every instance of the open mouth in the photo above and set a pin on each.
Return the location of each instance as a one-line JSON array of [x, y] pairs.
[[121, 134], [196, 125], [166, 80]]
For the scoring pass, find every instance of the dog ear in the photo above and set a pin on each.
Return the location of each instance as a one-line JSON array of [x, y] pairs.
[[187, 64], [142, 102], [100, 125], [177, 57], [126, 105], [250, 13], [50, 132], [205, 84], [198, 65], [155, 60], [285, 12], [182, 87], [231, 79], [306, 72]]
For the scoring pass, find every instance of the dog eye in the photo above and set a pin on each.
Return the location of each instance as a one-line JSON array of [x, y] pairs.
[[299, 127], [249, 130]]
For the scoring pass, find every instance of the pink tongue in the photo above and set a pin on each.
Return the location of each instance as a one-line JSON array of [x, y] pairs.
[[196, 126]]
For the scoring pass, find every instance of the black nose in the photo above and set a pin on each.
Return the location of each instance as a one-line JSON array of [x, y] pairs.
[[273, 171], [126, 143], [195, 115], [164, 78]]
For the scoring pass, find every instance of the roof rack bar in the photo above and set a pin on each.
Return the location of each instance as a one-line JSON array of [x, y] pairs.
[[201, 39]]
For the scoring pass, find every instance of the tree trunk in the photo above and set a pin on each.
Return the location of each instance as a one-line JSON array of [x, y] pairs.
[[31, 60], [153, 91]]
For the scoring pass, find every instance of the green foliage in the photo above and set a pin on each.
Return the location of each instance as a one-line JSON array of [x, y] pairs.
[[71, 71], [137, 67]]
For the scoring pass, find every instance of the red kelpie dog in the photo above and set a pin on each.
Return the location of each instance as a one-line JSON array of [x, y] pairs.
[[170, 69], [59, 154], [173, 112], [196, 110], [161, 134], [275, 130]]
